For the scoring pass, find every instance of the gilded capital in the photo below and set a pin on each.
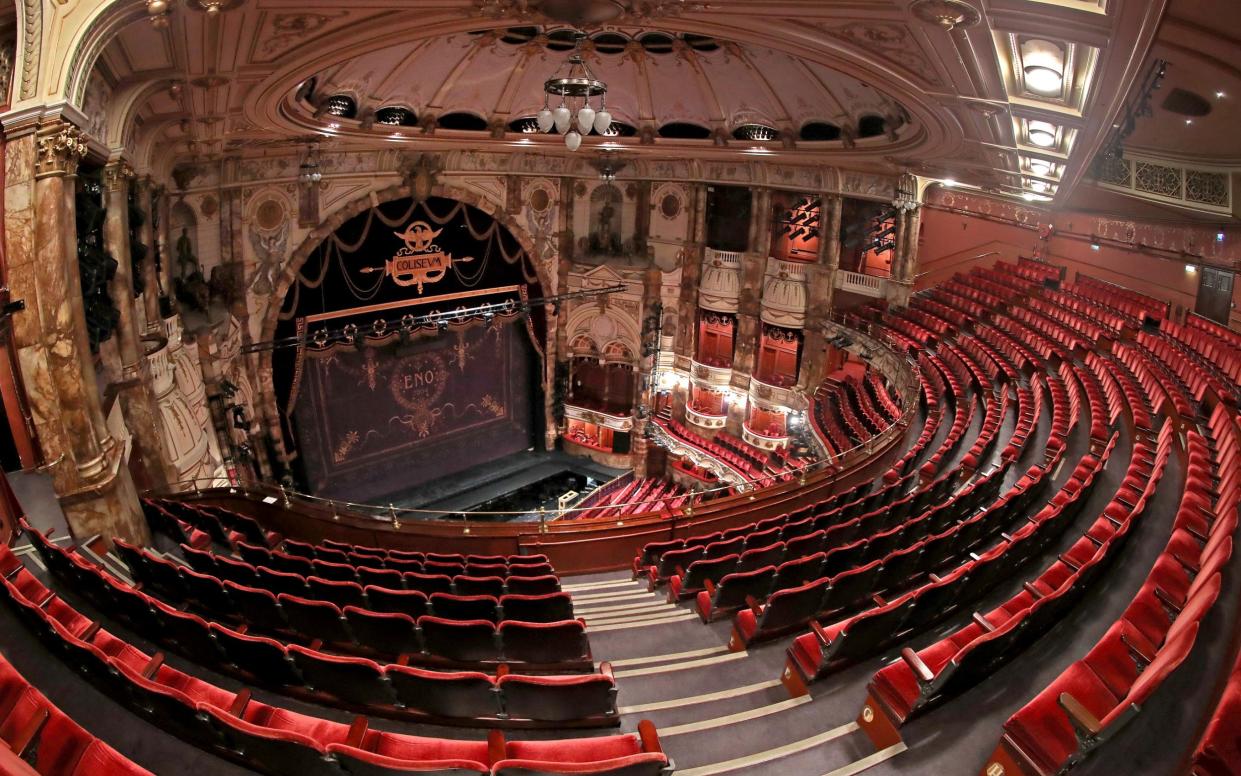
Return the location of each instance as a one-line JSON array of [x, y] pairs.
[[61, 146], [117, 173]]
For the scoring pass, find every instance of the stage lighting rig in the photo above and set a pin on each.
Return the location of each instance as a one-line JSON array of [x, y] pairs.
[[352, 333]]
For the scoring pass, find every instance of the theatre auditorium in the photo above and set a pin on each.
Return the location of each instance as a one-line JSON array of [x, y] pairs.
[[620, 387]]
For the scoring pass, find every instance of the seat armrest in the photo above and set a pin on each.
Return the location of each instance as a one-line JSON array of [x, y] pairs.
[[1080, 716], [357, 732], [709, 586], [650, 739], [818, 631], [605, 668], [680, 571], [240, 702], [1032, 590], [983, 622], [921, 671], [754, 605], [1165, 599], [495, 747], [91, 630], [502, 670], [153, 665], [1137, 653], [28, 733]]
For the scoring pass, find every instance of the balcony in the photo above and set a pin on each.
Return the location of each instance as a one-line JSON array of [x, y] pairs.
[[784, 294], [858, 283], [719, 287], [613, 420], [706, 419], [717, 377], [775, 395], [762, 441]]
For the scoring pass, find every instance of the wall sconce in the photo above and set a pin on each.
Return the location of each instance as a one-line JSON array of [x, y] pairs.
[[1094, 244], [1043, 65], [1042, 133], [1191, 268]]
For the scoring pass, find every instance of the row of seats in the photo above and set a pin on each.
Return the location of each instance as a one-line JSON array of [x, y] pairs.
[[559, 645], [299, 583], [1096, 696], [41, 738], [283, 742], [183, 521], [824, 648], [353, 682], [921, 679]]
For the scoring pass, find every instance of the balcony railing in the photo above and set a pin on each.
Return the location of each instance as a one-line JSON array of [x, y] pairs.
[[762, 441], [858, 283]]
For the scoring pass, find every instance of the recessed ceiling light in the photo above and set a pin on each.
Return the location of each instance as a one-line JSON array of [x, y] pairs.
[[1040, 166], [1042, 133], [1219, 95], [1189, 121], [1043, 64]]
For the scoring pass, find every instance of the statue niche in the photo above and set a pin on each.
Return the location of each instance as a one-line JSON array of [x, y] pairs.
[[607, 208]]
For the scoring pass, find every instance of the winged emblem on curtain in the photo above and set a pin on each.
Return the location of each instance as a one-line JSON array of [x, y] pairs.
[[420, 260]]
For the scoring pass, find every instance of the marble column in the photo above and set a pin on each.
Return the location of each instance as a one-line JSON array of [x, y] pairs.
[[94, 485], [135, 387], [692, 254], [652, 284], [150, 274], [820, 293], [23, 262], [749, 307], [167, 250], [559, 372]]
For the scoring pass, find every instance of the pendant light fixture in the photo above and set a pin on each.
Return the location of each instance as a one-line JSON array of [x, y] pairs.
[[574, 85]]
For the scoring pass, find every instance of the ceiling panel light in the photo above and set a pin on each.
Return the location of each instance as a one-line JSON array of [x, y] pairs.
[[1043, 64], [1042, 133], [1042, 167]]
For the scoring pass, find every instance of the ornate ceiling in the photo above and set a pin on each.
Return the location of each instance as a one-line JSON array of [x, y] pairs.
[[953, 82]]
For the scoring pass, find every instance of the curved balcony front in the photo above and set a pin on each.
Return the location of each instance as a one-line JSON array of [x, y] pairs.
[[762, 441], [779, 397], [719, 285], [784, 294], [705, 419], [716, 377]]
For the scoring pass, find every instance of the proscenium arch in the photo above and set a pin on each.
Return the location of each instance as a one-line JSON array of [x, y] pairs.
[[288, 276]]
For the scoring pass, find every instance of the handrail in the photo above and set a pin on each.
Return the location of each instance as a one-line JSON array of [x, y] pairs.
[[904, 381]]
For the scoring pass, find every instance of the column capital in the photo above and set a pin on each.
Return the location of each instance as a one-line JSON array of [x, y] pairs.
[[116, 174], [61, 146]]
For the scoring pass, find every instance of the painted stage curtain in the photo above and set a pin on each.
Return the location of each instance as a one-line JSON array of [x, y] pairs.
[[380, 420]]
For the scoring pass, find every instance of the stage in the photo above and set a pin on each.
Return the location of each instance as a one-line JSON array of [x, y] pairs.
[[519, 474]]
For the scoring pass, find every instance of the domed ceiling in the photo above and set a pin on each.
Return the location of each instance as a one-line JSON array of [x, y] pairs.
[[1008, 96], [672, 86]]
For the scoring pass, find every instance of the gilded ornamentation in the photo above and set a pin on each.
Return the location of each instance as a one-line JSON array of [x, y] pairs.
[[32, 11], [346, 446], [61, 146], [891, 41], [290, 28], [491, 405], [116, 173]]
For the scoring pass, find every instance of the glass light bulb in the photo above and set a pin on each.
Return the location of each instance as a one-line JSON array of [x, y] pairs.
[[573, 140], [562, 117], [585, 119], [545, 120], [603, 120]]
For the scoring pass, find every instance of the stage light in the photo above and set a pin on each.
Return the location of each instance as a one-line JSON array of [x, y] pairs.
[[442, 325]]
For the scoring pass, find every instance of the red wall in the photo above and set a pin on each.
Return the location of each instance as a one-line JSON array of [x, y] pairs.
[[952, 241]]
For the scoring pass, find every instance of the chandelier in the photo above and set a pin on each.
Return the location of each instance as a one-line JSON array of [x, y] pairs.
[[572, 82]]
